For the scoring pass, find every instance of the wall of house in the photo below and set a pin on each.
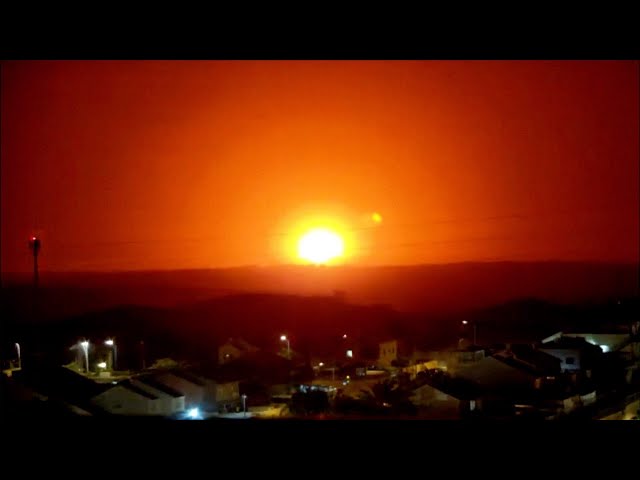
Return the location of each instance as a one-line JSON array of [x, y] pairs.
[[217, 395], [570, 358], [193, 394], [122, 401], [167, 404], [388, 353]]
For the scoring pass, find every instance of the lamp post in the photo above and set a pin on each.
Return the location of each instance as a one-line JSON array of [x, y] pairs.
[[19, 357], [244, 404], [283, 338], [465, 322], [85, 348], [110, 343]]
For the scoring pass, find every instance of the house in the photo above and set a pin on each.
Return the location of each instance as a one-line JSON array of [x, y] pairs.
[[141, 395], [169, 400], [192, 387], [516, 370], [267, 367], [494, 373], [394, 353], [609, 337], [233, 349], [445, 397], [222, 394], [575, 353], [63, 389], [127, 399]]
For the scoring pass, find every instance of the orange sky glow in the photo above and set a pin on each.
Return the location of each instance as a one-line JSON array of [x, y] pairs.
[[159, 164]]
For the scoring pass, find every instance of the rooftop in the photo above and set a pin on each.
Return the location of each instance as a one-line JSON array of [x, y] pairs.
[[130, 386], [151, 381]]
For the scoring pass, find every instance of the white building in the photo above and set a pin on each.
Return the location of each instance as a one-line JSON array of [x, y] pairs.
[[127, 399]]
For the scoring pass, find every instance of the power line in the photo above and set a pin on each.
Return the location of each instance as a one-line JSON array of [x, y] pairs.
[[385, 225]]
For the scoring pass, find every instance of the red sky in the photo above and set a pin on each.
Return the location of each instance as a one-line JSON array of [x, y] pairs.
[[145, 165]]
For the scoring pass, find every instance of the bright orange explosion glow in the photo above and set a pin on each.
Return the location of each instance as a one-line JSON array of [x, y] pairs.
[[320, 246]]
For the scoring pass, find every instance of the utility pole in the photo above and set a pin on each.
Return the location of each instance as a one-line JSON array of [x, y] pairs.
[[144, 363], [34, 244]]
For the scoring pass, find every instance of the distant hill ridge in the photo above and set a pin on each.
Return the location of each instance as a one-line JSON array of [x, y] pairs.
[[436, 289]]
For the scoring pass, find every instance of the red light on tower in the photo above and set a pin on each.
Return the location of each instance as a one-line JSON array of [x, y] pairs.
[[34, 244]]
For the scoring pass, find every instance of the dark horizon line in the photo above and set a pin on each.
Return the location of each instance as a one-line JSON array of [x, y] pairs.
[[328, 267]]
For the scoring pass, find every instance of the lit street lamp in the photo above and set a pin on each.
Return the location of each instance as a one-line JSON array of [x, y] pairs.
[[85, 348], [244, 404], [465, 322], [283, 338], [19, 357], [110, 343]]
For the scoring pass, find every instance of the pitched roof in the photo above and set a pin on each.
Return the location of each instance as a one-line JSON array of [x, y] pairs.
[[459, 388], [60, 382], [241, 344], [188, 376], [130, 386], [155, 384], [569, 342]]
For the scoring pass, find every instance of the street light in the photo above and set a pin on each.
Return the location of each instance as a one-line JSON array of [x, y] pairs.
[[465, 322], [110, 343], [284, 338], [19, 357], [244, 404], [85, 348], [102, 365]]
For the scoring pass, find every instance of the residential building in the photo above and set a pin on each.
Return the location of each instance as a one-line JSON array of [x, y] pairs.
[[446, 399], [169, 402], [192, 387], [575, 353], [59, 387], [394, 353], [233, 349], [515, 371], [222, 395], [126, 398]]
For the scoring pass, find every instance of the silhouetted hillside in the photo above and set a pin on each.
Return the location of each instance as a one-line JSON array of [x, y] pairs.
[[195, 331], [434, 289], [313, 324]]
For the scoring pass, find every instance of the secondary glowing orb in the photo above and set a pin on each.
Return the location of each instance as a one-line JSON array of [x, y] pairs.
[[320, 246], [376, 217]]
